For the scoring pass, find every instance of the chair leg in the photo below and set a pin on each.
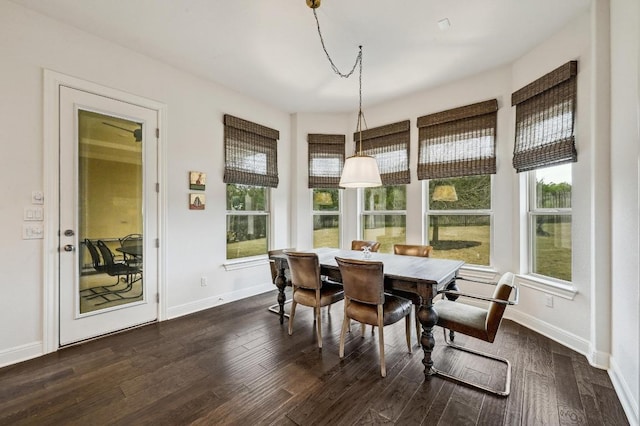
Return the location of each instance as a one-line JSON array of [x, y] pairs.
[[383, 366], [345, 324], [291, 315], [363, 327], [318, 313], [507, 386], [407, 330]]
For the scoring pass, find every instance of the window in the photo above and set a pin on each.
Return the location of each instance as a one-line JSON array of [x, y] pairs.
[[459, 218], [550, 222], [250, 170], [247, 220], [326, 217], [384, 209], [544, 148], [457, 156], [326, 160], [384, 216]]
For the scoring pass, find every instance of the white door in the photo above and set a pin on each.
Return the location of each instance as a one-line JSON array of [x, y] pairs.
[[108, 225]]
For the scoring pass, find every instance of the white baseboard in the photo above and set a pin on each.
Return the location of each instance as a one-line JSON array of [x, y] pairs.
[[624, 393], [220, 299], [561, 336], [20, 353]]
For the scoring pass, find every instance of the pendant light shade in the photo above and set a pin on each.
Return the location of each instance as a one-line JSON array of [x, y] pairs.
[[360, 171]]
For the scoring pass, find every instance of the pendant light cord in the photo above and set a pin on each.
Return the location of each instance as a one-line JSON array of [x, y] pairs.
[[335, 69]]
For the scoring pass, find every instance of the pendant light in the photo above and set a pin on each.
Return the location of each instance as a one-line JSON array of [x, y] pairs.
[[359, 171]]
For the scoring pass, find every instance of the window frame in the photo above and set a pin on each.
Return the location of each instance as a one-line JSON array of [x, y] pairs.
[[266, 213], [532, 213], [453, 212]]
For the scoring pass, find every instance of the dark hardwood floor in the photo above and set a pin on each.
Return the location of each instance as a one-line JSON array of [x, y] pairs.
[[235, 364]]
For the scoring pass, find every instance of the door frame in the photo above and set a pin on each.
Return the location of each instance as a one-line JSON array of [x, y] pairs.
[[51, 118]]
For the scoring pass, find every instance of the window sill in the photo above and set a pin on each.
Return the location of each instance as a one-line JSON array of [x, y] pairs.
[[566, 291], [482, 273], [249, 262]]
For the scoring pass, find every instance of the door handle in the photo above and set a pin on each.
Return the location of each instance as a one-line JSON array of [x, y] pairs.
[[69, 247]]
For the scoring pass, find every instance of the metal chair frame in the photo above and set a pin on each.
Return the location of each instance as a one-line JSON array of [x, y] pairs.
[[454, 294]]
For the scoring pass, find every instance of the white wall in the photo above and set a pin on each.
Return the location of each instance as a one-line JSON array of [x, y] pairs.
[[625, 165], [30, 43], [568, 319]]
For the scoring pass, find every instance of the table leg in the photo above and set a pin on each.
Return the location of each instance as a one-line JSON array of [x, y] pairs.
[[428, 318], [281, 283]]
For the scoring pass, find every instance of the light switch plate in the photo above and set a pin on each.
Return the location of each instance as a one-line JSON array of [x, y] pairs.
[[33, 213]]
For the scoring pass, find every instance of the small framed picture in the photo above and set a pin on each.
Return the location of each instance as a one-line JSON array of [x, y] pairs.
[[196, 201], [197, 180]]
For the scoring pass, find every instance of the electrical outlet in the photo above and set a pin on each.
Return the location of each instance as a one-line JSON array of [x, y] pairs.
[[548, 301], [203, 281], [32, 231]]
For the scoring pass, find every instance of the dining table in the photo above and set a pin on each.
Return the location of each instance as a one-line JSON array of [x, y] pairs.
[[422, 276]]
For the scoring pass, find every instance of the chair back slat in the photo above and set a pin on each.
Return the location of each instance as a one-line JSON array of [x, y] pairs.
[[107, 255], [362, 281], [95, 256]]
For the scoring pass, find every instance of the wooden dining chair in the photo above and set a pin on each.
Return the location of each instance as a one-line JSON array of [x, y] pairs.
[[420, 251], [309, 289], [479, 322], [366, 302], [374, 246]]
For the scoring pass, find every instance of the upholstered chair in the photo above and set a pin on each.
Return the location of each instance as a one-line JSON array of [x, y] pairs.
[[479, 322], [360, 244], [366, 302], [308, 288]]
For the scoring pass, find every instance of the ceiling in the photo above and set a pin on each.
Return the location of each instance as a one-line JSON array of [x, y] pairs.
[[270, 50]]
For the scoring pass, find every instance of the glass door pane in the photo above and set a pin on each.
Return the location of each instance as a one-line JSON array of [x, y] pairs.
[[110, 214]]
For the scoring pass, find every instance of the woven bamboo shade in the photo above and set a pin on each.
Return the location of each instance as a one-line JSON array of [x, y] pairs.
[[250, 153], [326, 160], [545, 117], [458, 142], [389, 145]]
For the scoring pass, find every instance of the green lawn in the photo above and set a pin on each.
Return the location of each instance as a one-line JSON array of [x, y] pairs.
[[246, 248], [326, 237], [551, 258]]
